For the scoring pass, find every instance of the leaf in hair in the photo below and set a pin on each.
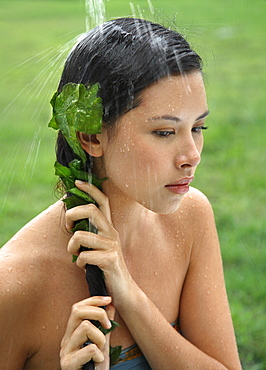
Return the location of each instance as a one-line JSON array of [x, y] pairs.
[[77, 108]]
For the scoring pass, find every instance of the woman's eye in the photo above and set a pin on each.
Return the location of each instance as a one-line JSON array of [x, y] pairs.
[[163, 133], [199, 129]]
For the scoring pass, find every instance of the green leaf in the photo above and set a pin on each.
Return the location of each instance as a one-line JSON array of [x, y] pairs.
[[77, 108], [74, 258], [73, 201], [68, 175], [81, 194], [103, 330], [81, 225], [61, 170], [114, 354]]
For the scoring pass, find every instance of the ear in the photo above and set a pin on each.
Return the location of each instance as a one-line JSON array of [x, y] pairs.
[[91, 144]]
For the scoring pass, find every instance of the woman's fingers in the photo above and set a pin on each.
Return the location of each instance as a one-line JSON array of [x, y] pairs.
[[88, 309], [86, 331], [91, 212], [105, 240], [90, 241], [79, 330], [100, 198], [102, 251], [76, 360], [110, 310]]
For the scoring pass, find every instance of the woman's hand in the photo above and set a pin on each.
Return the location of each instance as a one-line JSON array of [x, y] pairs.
[[105, 246], [79, 330]]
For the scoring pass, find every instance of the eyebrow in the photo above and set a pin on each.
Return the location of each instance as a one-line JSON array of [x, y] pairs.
[[177, 119]]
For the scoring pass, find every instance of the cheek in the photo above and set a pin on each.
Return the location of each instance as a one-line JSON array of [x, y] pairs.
[[144, 161], [130, 167]]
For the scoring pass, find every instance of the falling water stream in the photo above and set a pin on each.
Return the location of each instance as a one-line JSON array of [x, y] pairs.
[[30, 98], [28, 151]]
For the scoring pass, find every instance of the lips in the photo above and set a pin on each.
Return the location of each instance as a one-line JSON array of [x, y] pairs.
[[181, 186]]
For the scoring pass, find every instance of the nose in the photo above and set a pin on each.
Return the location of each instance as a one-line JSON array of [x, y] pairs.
[[188, 154]]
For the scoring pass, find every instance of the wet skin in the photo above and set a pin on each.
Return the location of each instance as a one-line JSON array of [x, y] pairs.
[[161, 261], [156, 144]]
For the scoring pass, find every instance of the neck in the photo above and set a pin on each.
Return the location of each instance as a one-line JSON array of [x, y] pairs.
[[128, 216]]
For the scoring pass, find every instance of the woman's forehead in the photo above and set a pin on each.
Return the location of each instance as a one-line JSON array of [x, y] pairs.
[[174, 91]]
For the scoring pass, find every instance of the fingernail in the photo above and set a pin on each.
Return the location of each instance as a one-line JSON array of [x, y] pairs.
[[106, 298], [80, 182], [108, 324]]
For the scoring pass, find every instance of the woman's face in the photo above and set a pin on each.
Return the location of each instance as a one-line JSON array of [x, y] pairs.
[[151, 155]]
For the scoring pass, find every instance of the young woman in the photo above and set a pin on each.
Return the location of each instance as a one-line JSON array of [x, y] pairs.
[[156, 244]]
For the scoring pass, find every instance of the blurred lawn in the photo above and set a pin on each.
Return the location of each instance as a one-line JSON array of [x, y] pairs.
[[230, 36]]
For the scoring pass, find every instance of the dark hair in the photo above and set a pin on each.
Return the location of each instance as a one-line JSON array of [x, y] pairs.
[[124, 56]]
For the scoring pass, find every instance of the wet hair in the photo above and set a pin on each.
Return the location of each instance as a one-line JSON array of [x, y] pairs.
[[124, 56]]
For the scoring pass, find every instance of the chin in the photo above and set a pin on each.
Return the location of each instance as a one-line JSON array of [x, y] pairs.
[[164, 209]]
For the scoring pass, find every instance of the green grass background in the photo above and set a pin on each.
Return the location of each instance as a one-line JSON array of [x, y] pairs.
[[230, 36]]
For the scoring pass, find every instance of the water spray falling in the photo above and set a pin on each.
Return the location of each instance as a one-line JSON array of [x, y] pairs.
[[95, 10]]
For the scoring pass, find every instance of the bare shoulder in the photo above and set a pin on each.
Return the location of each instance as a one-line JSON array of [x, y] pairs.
[[38, 285], [194, 213], [39, 235], [204, 300], [20, 297], [192, 219], [37, 254], [26, 265], [30, 253], [200, 221], [196, 203]]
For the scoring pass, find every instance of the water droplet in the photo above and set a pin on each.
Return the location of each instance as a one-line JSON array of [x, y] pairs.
[[189, 88], [8, 290], [57, 327], [10, 269], [19, 282], [44, 327]]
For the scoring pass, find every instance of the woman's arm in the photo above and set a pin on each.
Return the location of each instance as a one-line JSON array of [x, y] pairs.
[[207, 340], [204, 313]]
